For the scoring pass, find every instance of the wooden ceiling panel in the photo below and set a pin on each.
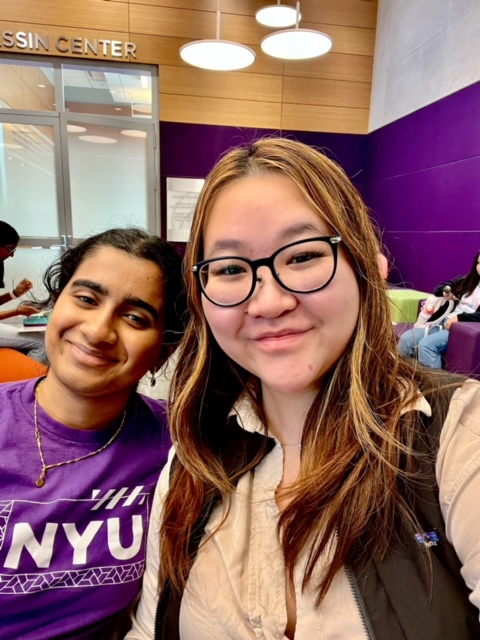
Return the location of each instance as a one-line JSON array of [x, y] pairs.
[[235, 85], [326, 92], [333, 66], [244, 7], [87, 14], [236, 113], [326, 119]]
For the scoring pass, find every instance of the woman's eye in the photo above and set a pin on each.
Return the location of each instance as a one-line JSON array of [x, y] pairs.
[[305, 256], [137, 321], [227, 270], [88, 300]]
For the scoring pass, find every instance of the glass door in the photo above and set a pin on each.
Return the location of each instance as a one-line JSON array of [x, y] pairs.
[[109, 173], [31, 195]]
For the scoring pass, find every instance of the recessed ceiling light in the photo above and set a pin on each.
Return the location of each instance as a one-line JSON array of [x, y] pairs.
[[133, 133], [75, 128], [42, 86], [97, 139], [142, 108], [118, 108]]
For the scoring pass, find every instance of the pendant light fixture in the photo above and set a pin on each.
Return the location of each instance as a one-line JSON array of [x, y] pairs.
[[217, 55], [277, 15], [296, 44]]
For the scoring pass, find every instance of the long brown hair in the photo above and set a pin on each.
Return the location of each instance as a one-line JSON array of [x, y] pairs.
[[467, 285], [356, 450]]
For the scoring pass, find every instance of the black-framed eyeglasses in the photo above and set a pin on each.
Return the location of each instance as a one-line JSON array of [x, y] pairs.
[[299, 267], [8, 250]]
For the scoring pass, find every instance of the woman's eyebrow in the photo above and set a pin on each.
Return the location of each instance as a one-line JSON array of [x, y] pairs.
[[90, 284], [290, 233]]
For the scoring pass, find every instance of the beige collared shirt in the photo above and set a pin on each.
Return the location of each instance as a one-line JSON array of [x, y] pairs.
[[236, 588]]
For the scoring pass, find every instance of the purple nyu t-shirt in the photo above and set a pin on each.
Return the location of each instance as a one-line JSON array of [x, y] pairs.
[[72, 553]]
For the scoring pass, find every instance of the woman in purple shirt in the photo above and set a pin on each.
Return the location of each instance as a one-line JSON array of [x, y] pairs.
[[81, 450]]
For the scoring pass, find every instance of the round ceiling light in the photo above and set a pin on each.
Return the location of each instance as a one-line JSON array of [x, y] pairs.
[[296, 44], [277, 16], [217, 55], [133, 133], [75, 128], [98, 139]]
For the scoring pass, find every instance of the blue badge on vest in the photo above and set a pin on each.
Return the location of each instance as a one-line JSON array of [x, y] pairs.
[[427, 539]]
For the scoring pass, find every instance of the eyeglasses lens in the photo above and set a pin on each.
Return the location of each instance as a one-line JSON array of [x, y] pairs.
[[302, 267]]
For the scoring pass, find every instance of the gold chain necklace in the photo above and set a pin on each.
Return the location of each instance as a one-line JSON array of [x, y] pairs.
[[45, 467]]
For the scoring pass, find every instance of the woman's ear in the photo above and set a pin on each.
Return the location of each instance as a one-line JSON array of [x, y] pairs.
[[383, 264]]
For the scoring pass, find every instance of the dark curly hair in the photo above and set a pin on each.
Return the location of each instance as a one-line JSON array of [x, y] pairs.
[[137, 243]]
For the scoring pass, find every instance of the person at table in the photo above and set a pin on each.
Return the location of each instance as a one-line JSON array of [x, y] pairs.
[[81, 450], [298, 431], [429, 342], [31, 345]]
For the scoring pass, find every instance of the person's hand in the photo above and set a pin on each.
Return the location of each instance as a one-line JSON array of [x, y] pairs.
[[22, 287], [26, 310], [450, 321], [449, 296]]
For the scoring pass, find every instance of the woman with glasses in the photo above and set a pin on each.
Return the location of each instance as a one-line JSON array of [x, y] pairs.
[[306, 496], [31, 345]]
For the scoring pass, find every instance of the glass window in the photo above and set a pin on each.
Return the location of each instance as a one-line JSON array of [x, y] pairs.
[[109, 92], [28, 183], [27, 85], [108, 176]]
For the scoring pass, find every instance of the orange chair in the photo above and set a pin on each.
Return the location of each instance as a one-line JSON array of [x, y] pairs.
[[14, 366]]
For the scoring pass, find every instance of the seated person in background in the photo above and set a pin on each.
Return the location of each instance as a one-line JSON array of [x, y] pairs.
[[291, 505], [31, 345], [81, 451], [430, 341]]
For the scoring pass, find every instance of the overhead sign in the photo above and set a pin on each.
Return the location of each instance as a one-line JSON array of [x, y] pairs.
[[101, 47]]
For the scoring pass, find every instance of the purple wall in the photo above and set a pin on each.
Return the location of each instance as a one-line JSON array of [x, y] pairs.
[[191, 150], [420, 176], [423, 186]]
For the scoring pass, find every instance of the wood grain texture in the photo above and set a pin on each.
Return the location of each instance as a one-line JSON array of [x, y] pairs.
[[87, 14], [220, 111], [330, 93], [322, 118], [326, 92], [234, 85]]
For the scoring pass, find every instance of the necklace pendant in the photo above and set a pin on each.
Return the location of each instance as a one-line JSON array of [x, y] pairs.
[[41, 481]]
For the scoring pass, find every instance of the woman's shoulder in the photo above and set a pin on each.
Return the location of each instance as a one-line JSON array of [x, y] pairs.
[[460, 436], [465, 404], [20, 392]]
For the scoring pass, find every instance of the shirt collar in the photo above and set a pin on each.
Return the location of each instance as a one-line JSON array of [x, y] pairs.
[[248, 419]]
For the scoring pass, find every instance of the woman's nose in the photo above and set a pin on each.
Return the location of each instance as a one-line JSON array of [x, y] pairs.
[[99, 327], [269, 299]]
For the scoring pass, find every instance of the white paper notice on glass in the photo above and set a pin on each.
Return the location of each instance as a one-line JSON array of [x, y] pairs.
[[182, 196]]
